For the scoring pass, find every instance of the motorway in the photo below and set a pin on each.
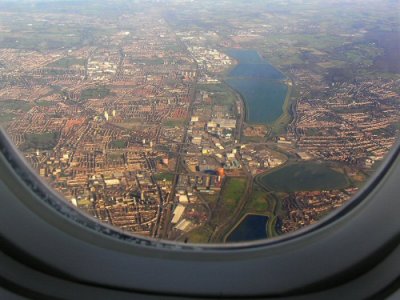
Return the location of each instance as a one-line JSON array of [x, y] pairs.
[[165, 216]]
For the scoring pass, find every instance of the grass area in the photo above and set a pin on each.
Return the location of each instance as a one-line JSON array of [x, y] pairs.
[[271, 227], [165, 175], [222, 209], [41, 141], [212, 87], [130, 123], [221, 94], [99, 92], [173, 48], [39, 41], [292, 48], [268, 204], [200, 235], [227, 98], [211, 199], [44, 103], [259, 203], [252, 139], [118, 144], [55, 72], [357, 178], [315, 41], [6, 118], [174, 123], [84, 203], [16, 105], [232, 192], [52, 34], [67, 62], [304, 176]]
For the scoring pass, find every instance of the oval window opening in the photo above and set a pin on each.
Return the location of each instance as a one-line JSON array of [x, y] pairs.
[[202, 122]]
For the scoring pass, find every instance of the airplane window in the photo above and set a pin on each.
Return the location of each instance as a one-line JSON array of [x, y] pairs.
[[200, 121]]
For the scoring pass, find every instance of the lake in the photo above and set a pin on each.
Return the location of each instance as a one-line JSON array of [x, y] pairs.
[[252, 227], [260, 85], [305, 176]]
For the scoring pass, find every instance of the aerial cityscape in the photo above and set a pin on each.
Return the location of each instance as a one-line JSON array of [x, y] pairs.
[[202, 121]]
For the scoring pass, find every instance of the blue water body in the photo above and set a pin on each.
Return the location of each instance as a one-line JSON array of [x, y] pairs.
[[252, 227], [246, 56], [260, 85]]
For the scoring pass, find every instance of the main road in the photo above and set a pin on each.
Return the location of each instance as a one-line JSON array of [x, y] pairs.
[[166, 215]]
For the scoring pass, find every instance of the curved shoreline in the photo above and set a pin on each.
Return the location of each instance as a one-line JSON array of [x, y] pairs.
[[285, 105], [241, 99], [242, 219], [258, 177]]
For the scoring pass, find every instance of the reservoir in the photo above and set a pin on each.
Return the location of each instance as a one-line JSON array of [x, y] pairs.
[[252, 227], [260, 85], [305, 176]]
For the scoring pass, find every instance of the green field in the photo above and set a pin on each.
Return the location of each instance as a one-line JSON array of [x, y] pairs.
[[174, 123], [15, 105], [6, 118], [232, 192], [166, 175], [67, 62], [99, 92], [260, 202], [44, 103], [200, 235], [212, 87], [305, 176], [42, 141], [221, 94], [118, 144], [130, 123], [222, 209], [268, 204], [39, 41]]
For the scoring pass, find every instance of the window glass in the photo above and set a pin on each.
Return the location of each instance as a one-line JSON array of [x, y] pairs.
[[202, 121]]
